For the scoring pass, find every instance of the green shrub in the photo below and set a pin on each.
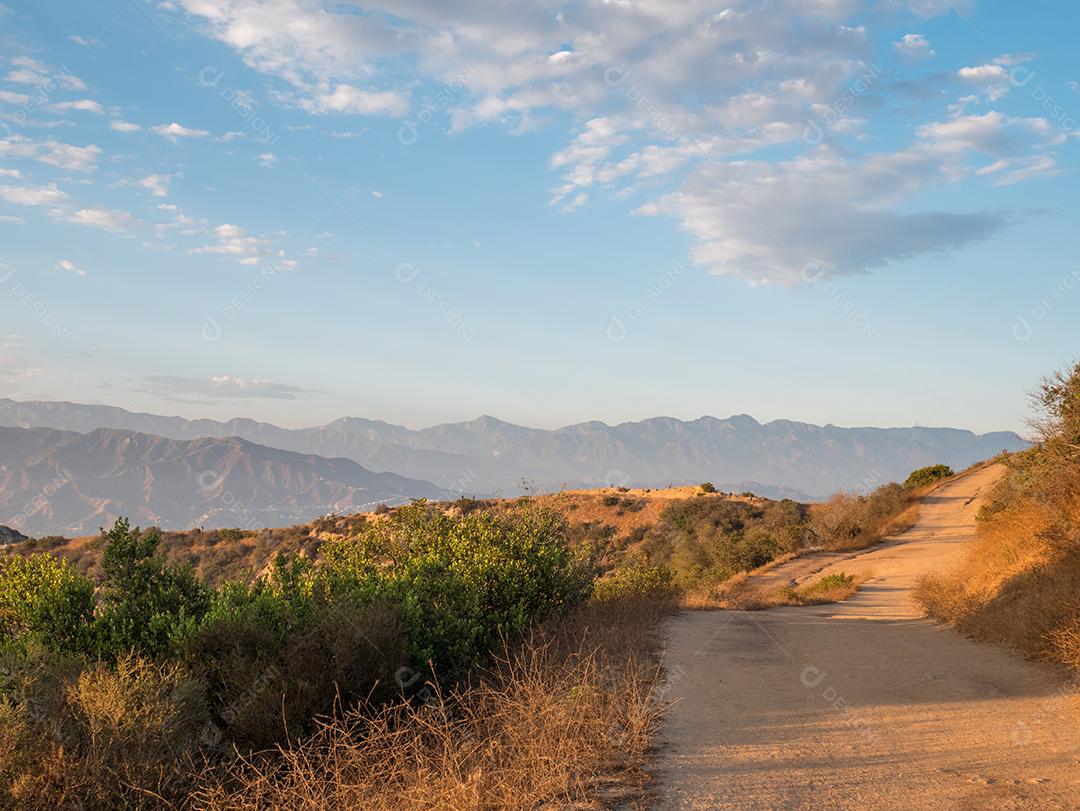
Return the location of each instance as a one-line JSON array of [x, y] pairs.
[[830, 581], [462, 583], [928, 475], [271, 655], [273, 671], [147, 605], [708, 487], [636, 581], [45, 601], [709, 540]]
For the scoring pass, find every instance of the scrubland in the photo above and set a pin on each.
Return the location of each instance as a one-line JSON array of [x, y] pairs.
[[477, 654], [1019, 584]]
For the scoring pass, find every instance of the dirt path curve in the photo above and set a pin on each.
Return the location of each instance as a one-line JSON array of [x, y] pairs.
[[865, 705]]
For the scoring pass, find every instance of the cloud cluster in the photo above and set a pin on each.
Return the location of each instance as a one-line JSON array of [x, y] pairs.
[[829, 212], [688, 104], [33, 195], [914, 46], [235, 242], [174, 132], [661, 90], [51, 152], [28, 71], [107, 219]]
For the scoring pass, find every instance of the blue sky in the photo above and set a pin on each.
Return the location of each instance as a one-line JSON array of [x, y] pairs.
[[826, 210]]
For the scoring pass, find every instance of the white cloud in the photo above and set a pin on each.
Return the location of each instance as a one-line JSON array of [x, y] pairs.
[[104, 218], [344, 98], [992, 133], [12, 219], [81, 105], [307, 46], [51, 152], [576, 202], [175, 132], [1010, 172], [14, 173], [378, 195], [234, 241], [8, 97], [999, 77], [1009, 60], [33, 72], [267, 160], [769, 222], [914, 46], [33, 195], [157, 185], [172, 387], [71, 267], [31, 64], [124, 126]]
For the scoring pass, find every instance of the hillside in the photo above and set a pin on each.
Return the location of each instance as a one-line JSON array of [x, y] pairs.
[[63, 482], [489, 456], [614, 521]]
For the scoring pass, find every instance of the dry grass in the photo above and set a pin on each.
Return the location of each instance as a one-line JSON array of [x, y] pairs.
[[99, 738], [737, 592], [563, 719], [1019, 585], [849, 523]]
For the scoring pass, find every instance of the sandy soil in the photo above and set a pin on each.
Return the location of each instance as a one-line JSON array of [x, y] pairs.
[[864, 704]]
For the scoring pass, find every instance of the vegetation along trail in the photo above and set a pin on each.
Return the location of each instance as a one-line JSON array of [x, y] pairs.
[[866, 704]]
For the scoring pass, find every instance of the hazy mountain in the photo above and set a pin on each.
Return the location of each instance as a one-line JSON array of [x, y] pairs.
[[63, 482], [488, 455], [8, 535]]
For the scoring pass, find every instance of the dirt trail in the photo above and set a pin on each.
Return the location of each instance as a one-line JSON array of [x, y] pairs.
[[864, 704]]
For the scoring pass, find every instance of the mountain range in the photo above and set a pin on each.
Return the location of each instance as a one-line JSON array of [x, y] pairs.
[[487, 456], [64, 482]]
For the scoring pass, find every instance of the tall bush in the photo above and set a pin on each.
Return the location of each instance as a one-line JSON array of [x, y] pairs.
[[45, 602], [147, 604]]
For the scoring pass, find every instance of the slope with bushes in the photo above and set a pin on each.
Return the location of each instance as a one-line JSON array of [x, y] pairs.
[[147, 686], [1020, 583]]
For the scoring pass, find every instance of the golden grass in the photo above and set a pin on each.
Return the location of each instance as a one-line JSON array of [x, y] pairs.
[[1019, 585], [564, 719]]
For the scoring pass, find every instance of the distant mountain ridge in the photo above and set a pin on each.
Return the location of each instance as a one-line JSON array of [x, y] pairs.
[[64, 482], [487, 455]]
